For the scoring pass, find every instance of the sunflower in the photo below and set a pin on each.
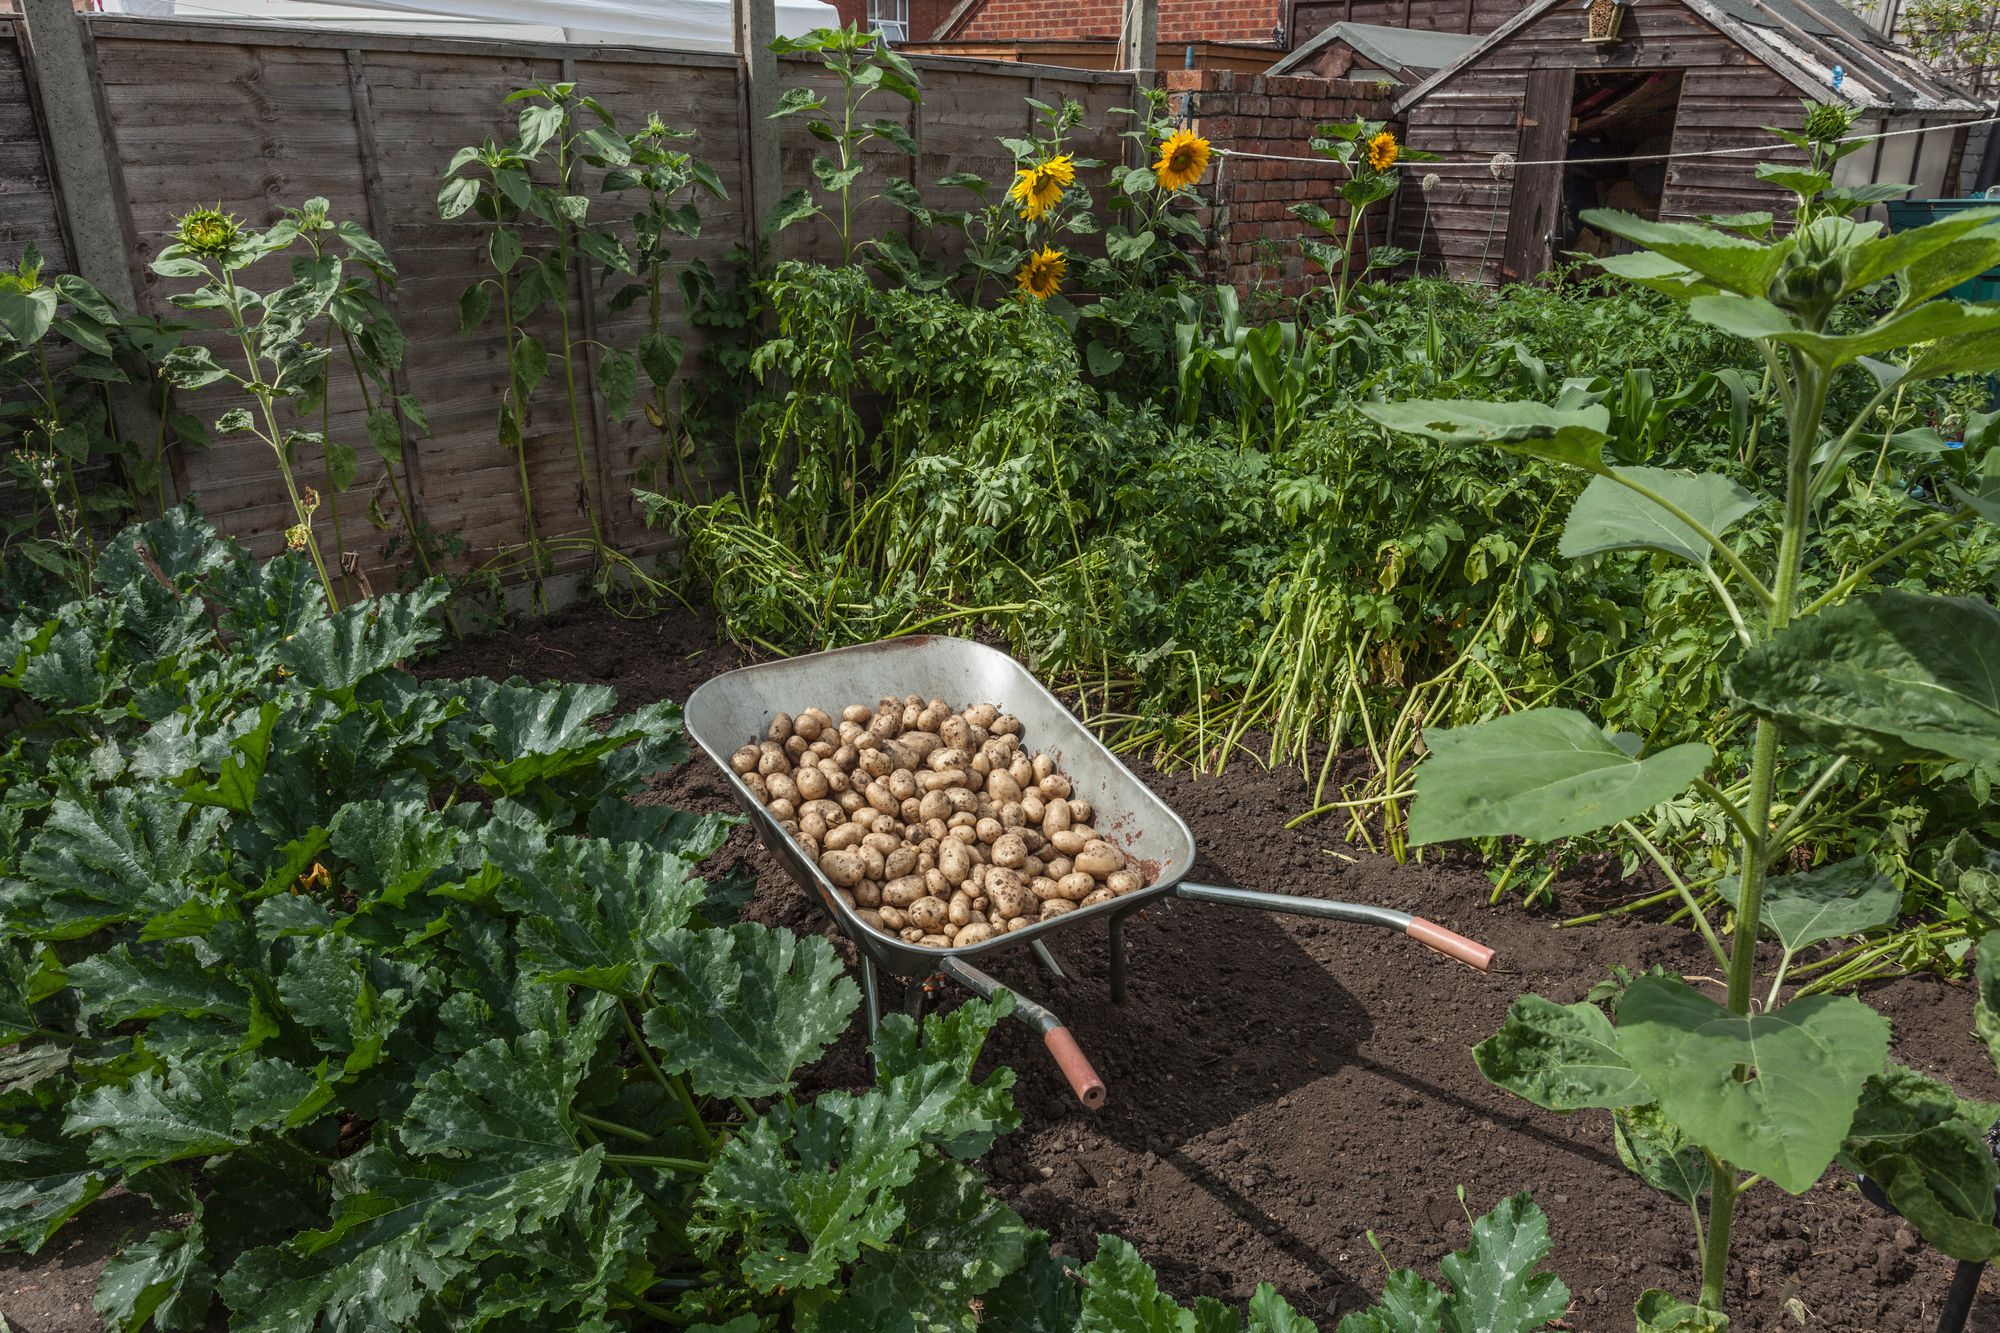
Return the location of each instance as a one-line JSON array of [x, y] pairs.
[[208, 231], [1036, 189], [1041, 277], [1383, 151], [1183, 158]]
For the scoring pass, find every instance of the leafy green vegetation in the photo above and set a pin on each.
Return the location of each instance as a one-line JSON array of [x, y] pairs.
[[403, 1014], [383, 987], [1713, 1097]]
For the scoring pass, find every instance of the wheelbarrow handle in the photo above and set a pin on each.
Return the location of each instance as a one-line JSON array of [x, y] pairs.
[[1069, 1057], [1427, 933], [1075, 1066], [1450, 943]]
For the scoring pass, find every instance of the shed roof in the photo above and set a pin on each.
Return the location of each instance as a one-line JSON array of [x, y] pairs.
[[1392, 48], [1802, 40]]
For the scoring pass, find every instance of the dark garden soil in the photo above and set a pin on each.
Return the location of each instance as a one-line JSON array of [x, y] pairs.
[[1279, 1089]]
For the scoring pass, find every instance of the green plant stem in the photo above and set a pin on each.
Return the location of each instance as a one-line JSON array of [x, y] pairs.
[[663, 1163], [332, 491], [1631, 831], [1637, 904], [1721, 591], [1701, 530], [613, 1127], [1728, 807], [1921, 537], [1806, 798], [674, 1084], [276, 436], [1826, 469], [396, 487], [1721, 1210]]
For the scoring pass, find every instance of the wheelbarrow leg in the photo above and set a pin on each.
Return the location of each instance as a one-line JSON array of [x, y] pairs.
[[1118, 958], [1069, 1057], [1958, 1300], [871, 991], [1048, 960]]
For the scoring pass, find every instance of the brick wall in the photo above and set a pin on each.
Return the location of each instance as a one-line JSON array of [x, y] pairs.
[[1180, 20], [925, 15], [1257, 242]]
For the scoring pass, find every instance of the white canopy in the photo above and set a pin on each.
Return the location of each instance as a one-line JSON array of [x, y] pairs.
[[685, 25]]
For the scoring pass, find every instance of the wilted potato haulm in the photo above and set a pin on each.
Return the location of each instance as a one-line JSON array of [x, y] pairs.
[[940, 827]]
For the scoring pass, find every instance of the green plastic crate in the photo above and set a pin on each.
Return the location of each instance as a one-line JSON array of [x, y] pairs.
[[1905, 214]]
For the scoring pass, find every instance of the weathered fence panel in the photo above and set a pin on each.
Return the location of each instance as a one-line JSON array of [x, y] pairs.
[[257, 120]]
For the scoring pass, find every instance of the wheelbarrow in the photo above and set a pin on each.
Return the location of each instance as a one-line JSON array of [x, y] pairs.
[[737, 707]]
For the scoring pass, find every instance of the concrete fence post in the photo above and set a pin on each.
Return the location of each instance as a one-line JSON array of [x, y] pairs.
[[756, 29], [1139, 37], [90, 187]]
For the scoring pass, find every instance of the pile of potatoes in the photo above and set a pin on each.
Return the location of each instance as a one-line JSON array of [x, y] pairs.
[[936, 826]]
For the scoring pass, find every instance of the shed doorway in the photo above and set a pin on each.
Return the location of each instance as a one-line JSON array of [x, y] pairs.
[[1617, 114], [1575, 124]]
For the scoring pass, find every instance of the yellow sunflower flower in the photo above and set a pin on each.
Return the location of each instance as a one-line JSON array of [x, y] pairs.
[[1037, 188], [1041, 277], [1183, 159], [1383, 150]]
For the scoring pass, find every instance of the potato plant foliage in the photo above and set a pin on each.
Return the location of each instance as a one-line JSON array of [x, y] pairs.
[[1832, 666]]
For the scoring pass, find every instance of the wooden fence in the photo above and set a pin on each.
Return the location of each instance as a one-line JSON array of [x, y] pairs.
[[259, 119]]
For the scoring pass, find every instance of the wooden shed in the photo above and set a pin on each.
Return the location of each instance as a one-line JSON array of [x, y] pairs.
[[1635, 121], [1375, 53]]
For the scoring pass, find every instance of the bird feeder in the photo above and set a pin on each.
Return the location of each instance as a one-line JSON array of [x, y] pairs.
[[1605, 18]]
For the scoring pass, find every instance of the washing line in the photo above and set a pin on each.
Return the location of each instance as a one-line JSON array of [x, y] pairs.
[[1641, 157]]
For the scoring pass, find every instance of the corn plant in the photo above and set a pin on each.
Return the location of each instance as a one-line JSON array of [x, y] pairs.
[[1254, 366], [1832, 668]]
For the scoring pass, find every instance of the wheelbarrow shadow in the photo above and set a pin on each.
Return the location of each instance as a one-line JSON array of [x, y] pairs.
[[1229, 1014], [1184, 1057]]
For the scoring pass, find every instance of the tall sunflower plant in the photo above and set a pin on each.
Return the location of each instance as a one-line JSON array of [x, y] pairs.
[[1721, 1084], [1155, 203], [1152, 238], [1046, 202], [1368, 153]]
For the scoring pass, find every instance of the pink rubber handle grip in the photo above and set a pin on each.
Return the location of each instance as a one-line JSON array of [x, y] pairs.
[[1075, 1065], [1450, 943]]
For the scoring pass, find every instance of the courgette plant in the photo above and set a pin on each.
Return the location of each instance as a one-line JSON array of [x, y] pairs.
[[1832, 668]]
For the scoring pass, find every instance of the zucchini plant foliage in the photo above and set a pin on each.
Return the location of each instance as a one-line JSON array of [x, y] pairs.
[[1833, 669], [385, 993]]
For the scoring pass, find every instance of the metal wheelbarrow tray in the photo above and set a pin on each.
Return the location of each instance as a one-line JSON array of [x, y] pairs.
[[737, 707]]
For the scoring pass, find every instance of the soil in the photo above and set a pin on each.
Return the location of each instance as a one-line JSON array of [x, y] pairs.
[[1287, 1095]]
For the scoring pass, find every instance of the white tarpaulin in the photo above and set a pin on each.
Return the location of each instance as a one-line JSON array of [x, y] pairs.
[[687, 25]]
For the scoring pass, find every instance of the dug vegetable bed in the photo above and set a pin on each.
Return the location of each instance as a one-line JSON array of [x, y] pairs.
[[1279, 1089]]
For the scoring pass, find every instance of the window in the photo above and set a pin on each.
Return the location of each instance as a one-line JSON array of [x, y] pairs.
[[891, 18]]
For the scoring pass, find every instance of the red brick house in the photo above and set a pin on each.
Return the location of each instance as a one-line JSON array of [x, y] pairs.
[[1274, 25]]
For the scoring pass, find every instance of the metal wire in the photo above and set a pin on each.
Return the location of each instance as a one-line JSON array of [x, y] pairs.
[[1639, 157]]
